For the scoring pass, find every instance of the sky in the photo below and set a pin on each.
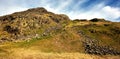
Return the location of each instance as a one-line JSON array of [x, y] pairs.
[[75, 9]]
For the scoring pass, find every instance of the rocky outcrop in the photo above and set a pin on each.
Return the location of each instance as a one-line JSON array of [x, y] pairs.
[[92, 46]]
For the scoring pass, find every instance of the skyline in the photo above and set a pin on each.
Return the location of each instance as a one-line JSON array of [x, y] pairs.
[[75, 9]]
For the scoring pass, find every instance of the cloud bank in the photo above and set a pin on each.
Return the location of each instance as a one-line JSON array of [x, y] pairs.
[[75, 9]]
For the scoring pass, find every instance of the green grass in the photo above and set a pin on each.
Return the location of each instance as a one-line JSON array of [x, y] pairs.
[[29, 43]]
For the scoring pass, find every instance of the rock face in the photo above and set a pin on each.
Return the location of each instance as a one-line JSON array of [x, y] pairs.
[[21, 25]]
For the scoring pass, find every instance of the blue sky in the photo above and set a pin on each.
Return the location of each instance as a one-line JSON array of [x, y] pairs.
[[75, 9]]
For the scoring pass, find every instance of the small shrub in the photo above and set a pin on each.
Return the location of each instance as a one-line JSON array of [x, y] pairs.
[[77, 20], [94, 20], [106, 24], [97, 20]]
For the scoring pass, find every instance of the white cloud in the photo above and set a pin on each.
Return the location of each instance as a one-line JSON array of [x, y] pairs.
[[10, 7], [63, 4], [11, 10], [111, 12], [87, 14], [77, 5], [100, 11]]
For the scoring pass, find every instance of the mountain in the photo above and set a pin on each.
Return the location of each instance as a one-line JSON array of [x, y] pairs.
[[41, 30]]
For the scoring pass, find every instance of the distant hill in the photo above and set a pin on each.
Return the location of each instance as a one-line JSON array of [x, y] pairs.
[[39, 29]]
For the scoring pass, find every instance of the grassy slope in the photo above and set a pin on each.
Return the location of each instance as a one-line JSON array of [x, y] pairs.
[[63, 43]]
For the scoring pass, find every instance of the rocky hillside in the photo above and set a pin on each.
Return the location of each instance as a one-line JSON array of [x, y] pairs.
[[29, 24], [39, 29]]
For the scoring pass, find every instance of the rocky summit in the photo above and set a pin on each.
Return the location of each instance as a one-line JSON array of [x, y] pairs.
[[39, 30]]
